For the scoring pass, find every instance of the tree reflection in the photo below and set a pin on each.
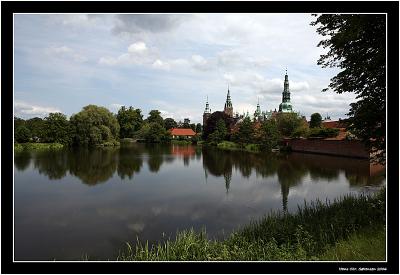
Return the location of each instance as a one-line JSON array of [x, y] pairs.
[[156, 154], [53, 164], [93, 166], [22, 160], [130, 161]]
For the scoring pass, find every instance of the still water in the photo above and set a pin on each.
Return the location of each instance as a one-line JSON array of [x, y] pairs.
[[81, 203]]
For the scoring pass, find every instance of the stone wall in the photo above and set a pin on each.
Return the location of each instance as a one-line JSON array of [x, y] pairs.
[[345, 148]]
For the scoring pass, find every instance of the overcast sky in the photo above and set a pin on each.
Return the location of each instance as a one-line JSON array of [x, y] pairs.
[[169, 62]]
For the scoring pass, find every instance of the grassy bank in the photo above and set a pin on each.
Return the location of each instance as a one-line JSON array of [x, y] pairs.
[[19, 147], [317, 231], [232, 146]]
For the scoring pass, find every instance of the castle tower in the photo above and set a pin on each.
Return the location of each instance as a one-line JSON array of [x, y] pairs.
[[257, 113], [286, 106], [207, 113], [228, 109]]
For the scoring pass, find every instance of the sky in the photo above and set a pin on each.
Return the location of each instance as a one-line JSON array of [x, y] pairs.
[[169, 62]]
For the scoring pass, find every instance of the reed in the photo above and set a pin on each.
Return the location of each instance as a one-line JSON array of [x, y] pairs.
[[305, 235]]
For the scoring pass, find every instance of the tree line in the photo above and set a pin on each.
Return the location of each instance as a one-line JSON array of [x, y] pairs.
[[95, 125], [266, 133]]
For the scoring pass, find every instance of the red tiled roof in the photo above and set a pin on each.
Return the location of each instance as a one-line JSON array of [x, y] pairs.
[[333, 124], [182, 132]]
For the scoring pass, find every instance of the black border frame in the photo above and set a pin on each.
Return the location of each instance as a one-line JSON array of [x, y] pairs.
[[10, 7]]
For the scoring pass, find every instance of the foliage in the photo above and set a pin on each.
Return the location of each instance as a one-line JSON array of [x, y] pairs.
[[316, 120], [304, 235], [288, 123], [57, 129], [198, 128], [37, 127], [268, 134], [302, 130], [170, 123], [18, 122], [357, 45], [94, 125], [219, 133], [130, 120], [155, 133], [154, 116], [323, 132], [22, 134], [37, 146], [212, 123], [365, 245], [245, 133], [193, 127]]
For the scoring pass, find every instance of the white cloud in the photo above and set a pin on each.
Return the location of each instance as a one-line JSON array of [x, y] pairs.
[[158, 64], [138, 47], [24, 109], [115, 107]]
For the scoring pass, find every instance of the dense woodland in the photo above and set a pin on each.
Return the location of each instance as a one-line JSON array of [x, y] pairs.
[[96, 125]]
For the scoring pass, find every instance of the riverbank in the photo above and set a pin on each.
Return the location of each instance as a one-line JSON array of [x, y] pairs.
[[318, 231], [19, 147]]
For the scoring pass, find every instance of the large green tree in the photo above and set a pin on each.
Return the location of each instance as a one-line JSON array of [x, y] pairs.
[[130, 120], [268, 134], [316, 120], [94, 125], [357, 45], [246, 131], [57, 129], [198, 128], [36, 126], [288, 123], [155, 116], [22, 134], [219, 133], [170, 123]]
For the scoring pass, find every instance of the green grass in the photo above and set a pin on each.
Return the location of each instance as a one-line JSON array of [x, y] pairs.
[[314, 230], [18, 147], [366, 245]]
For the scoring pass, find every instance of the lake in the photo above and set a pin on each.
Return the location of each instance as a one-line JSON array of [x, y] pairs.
[[80, 204]]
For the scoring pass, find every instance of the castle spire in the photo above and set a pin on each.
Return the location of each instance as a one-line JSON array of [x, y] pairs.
[[228, 109], [285, 106]]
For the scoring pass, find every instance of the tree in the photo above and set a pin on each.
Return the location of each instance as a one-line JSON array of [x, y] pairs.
[[198, 128], [18, 122], [94, 125], [246, 131], [37, 127], [357, 45], [154, 116], [22, 134], [193, 127], [269, 134], [130, 120], [186, 123], [288, 123], [170, 123], [155, 133], [219, 133], [212, 122], [316, 120], [57, 129]]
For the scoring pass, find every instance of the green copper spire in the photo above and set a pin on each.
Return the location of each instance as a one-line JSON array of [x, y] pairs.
[[285, 106]]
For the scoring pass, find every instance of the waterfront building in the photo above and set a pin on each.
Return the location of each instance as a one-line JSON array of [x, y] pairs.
[[207, 113], [186, 133]]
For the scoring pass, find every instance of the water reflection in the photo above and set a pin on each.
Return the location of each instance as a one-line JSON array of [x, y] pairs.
[[175, 187], [94, 166]]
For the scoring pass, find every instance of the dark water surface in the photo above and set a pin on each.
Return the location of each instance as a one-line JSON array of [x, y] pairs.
[[74, 204]]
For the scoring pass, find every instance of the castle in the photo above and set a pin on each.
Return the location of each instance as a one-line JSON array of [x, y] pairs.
[[284, 107]]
